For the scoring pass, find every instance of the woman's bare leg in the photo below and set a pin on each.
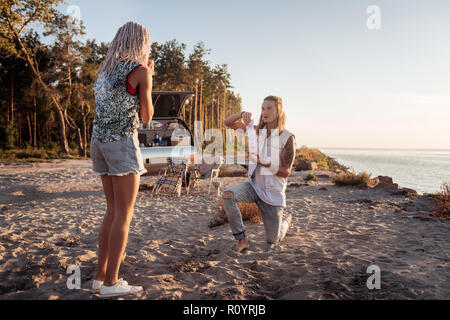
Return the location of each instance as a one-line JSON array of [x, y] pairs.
[[105, 229], [125, 192]]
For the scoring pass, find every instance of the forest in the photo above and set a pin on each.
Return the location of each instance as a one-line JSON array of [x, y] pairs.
[[47, 71]]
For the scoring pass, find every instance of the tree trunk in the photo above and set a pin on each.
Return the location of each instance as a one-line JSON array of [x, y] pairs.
[[202, 115], [202, 108], [218, 111], [74, 127], [62, 131], [212, 112], [205, 117], [207, 123], [224, 110], [39, 134], [80, 142], [190, 111], [47, 137], [29, 129], [84, 137], [11, 89], [19, 136], [201, 95], [34, 124], [196, 106], [84, 129]]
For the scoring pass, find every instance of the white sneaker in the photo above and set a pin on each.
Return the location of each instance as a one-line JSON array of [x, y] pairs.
[[96, 285], [120, 288]]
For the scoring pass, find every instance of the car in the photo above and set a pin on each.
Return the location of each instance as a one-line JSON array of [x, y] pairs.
[[168, 135]]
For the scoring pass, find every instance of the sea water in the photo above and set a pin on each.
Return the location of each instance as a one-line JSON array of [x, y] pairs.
[[423, 171]]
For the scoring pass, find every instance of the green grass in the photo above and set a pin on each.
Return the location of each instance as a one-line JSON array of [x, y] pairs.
[[323, 161], [442, 202], [351, 178], [311, 176], [422, 196], [37, 155]]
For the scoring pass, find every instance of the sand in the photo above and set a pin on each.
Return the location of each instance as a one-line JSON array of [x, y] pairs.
[[50, 214]]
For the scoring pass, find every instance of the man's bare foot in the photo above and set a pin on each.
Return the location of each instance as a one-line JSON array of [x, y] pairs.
[[242, 245]]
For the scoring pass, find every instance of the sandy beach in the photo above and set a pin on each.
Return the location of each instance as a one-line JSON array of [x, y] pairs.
[[50, 214]]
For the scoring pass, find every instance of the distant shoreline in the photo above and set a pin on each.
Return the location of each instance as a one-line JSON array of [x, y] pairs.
[[381, 149], [424, 170]]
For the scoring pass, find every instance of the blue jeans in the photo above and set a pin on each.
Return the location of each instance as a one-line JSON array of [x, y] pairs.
[[274, 224]]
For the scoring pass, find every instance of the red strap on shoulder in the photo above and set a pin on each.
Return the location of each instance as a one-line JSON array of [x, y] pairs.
[[130, 89]]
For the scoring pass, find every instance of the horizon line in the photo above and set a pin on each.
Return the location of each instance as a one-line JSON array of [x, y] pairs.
[[398, 149]]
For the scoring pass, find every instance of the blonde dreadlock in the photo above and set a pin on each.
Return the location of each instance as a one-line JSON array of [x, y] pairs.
[[131, 43]]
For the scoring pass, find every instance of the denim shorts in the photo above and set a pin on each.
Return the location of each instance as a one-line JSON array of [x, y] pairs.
[[117, 158]]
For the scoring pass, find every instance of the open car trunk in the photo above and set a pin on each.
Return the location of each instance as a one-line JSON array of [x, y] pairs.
[[168, 135], [169, 104]]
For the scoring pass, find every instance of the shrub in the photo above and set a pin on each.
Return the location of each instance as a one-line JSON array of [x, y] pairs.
[[250, 212], [322, 164], [8, 134], [52, 154], [305, 153], [323, 161], [442, 200], [73, 145], [31, 153], [51, 145], [311, 176], [227, 172], [351, 178]]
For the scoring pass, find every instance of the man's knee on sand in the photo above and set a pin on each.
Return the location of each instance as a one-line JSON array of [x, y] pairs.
[[276, 233], [227, 195], [272, 240]]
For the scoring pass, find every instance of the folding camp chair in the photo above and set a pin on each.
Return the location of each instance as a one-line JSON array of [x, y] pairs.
[[214, 177], [173, 178], [192, 179]]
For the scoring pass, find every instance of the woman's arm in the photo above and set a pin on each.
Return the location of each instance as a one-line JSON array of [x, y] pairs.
[[238, 121], [145, 80]]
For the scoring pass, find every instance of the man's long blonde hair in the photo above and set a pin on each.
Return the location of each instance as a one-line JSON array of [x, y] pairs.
[[131, 43], [281, 117]]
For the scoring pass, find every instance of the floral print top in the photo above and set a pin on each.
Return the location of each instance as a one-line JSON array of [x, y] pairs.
[[117, 110]]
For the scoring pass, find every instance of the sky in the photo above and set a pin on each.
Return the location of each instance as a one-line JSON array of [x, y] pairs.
[[348, 77]]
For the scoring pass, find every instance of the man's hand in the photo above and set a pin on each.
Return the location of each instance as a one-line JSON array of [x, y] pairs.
[[247, 118], [266, 165]]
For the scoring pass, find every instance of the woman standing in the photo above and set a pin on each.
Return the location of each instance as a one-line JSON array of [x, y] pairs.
[[122, 90], [265, 187]]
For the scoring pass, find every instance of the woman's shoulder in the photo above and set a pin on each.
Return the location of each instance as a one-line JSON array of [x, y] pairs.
[[125, 66]]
